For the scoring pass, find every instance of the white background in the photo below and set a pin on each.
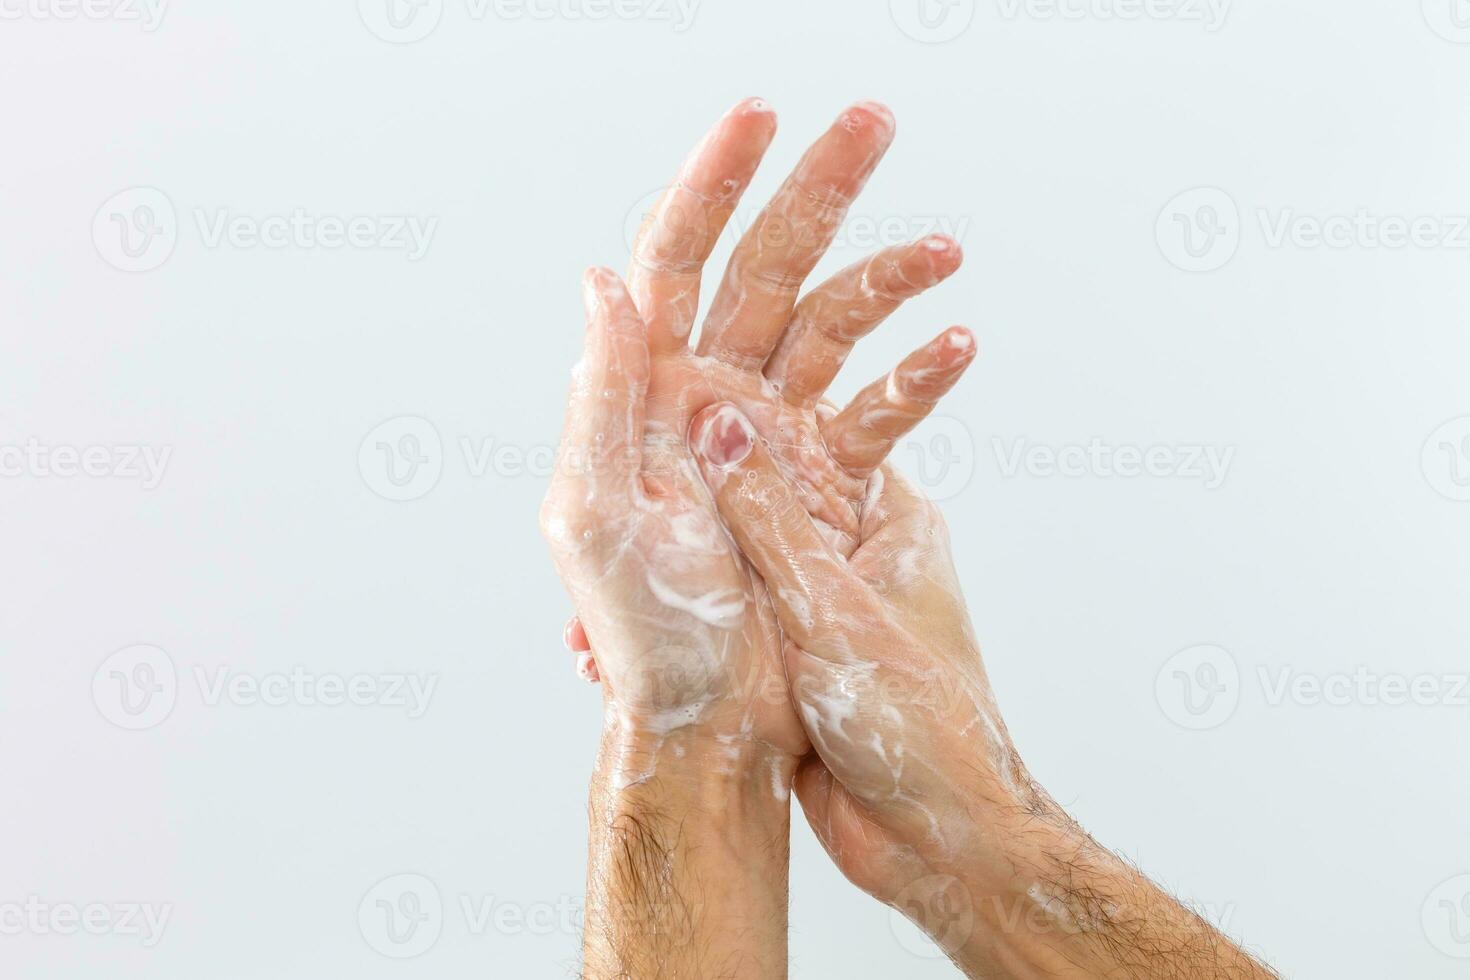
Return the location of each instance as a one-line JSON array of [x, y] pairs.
[[1327, 836]]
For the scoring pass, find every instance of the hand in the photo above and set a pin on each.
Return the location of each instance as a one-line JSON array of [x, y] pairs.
[[701, 741], [919, 795], [882, 664], [770, 354]]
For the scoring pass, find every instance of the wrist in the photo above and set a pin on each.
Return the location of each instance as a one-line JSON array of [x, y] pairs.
[[701, 769], [689, 853], [999, 890], [1052, 902], [1014, 907]]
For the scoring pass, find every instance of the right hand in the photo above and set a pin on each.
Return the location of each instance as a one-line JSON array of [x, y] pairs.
[[916, 791], [916, 769]]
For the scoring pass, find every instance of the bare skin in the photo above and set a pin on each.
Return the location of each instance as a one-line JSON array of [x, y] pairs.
[[848, 661], [700, 738], [916, 790]]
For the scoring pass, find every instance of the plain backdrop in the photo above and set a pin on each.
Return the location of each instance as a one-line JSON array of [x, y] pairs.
[[1135, 187]]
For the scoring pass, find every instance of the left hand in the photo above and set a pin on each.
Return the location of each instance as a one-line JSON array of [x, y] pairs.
[[763, 350]]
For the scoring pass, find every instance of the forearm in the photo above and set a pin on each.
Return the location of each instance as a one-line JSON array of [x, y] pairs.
[[1059, 905], [688, 863]]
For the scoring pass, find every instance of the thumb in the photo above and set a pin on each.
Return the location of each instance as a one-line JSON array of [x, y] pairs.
[[813, 590]]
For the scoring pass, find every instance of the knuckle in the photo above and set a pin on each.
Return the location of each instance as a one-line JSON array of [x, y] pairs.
[[758, 497]]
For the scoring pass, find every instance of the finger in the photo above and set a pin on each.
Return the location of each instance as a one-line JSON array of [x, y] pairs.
[[587, 668], [832, 317], [680, 232], [860, 436], [813, 590], [603, 441], [575, 637], [773, 259]]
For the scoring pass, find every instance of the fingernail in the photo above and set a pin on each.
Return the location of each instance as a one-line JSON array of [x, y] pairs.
[[573, 636], [587, 668], [880, 112], [940, 243], [727, 437], [958, 339]]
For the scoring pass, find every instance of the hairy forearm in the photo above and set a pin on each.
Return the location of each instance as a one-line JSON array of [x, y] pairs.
[[1059, 905], [688, 863]]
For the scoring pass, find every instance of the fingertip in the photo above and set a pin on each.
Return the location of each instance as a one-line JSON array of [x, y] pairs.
[[594, 287], [755, 106], [944, 251], [870, 113], [606, 298], [597, 276], [587, 668], [958, 344], [753, 121], [575, 636], [721, 435]]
